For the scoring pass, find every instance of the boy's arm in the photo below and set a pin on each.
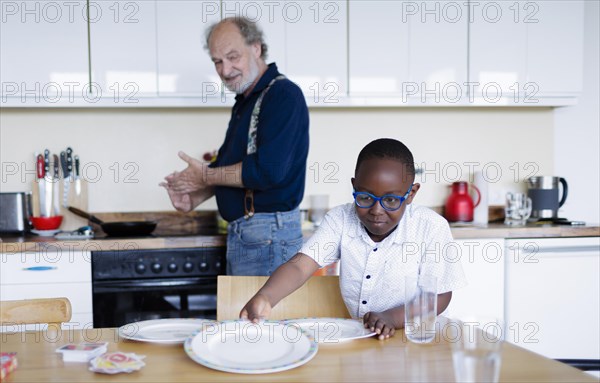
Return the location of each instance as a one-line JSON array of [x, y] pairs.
[[284, 281], [386, 322]]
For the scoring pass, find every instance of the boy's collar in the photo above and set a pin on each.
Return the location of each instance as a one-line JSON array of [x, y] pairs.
[[359, 230]]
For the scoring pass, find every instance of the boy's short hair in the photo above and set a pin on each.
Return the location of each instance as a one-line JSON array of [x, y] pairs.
[[388, 148]]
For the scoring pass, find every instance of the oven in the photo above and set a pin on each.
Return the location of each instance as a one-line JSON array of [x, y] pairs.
[[134, 285]]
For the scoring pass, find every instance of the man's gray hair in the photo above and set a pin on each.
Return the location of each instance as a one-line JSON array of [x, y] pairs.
[[250, 31]]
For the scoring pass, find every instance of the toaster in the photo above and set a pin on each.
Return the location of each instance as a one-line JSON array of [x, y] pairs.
[[15, 209]]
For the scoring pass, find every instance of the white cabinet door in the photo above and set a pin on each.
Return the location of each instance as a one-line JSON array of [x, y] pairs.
[[414, 52], [483, 264], [555, 46], [553, 296], [317, 49], [123, 50], [437, 51], [497, 51], [43, 52], [378, 55], [526, 52], [184, 65]]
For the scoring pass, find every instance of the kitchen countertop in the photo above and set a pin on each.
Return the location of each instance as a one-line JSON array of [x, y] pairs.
[[17, 244], [499, 230]]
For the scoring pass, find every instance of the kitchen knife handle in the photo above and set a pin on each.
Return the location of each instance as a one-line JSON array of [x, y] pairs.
[[56, 166], [46, 162], [70, 160], [77, 166], [40, 166], [64, 165]]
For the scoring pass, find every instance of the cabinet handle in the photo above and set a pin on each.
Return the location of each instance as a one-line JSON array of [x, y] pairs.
[[39, 268]]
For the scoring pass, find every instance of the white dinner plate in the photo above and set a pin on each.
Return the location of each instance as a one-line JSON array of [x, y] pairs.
[[332, 330], [45, 233], [251, 348], [167, 331]]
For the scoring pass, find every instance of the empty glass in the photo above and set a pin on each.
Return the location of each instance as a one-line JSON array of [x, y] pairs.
[[420, 308], [319, 204], [517, 209], [476, 349]]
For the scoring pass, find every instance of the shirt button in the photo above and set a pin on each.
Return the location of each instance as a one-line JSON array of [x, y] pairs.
[[368, 277], [364, 302], [375, 249]]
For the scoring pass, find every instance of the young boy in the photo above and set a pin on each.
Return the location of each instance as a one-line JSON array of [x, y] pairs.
[[379, 240]]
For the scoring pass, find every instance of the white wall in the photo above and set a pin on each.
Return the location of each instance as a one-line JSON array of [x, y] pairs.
[[443, 140], [577, 132]]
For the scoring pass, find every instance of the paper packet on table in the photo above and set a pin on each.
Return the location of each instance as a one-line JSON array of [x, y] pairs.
[[82, 352], [8, 363], [116, 362]]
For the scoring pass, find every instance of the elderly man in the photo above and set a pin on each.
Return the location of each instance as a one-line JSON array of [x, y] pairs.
[[259, 174]]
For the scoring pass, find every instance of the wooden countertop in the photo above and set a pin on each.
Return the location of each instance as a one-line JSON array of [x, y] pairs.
[[364, 360], [16, 244], [499, 230], [35, 243]]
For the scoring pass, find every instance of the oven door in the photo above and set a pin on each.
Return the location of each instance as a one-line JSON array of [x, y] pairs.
[[119, 302]]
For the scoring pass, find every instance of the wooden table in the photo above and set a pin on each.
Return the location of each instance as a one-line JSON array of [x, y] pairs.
[[365, 360]]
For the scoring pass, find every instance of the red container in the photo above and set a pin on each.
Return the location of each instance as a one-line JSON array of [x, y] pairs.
[[47, 223], [459, 205]]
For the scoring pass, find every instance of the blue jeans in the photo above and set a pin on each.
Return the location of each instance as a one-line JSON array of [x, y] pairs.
[[260, 244]]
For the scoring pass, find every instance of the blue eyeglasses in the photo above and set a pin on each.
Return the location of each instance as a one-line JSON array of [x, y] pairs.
[[389, 202]]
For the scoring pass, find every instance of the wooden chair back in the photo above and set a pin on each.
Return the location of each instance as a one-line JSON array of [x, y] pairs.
[[33, 311], [319, 297]]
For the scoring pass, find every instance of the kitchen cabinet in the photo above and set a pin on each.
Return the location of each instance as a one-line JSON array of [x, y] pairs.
[[123, 51], [525, 52], [483, 263], [378, 65], [341, 53], [553, 296], [414, 52], [184, 65], [43, 53], [317, 49], [50, 274]]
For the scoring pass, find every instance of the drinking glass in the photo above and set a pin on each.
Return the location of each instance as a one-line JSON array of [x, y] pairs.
[[517, 209], [420, 308], [319, 204], [476, 349]]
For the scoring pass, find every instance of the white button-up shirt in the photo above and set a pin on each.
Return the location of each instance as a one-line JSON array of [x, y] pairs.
[[372, 274]]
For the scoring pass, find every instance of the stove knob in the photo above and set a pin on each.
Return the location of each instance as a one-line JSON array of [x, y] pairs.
[[172, 267], [203, 266], [140, 268], [218, 265], [188, 267], [156, 268]]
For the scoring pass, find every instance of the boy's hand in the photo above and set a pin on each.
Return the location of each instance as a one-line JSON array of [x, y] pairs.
[[257, 308], [381, 323]]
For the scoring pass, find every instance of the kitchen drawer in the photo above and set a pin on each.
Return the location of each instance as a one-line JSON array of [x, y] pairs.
[[80, 294], [66, 266]]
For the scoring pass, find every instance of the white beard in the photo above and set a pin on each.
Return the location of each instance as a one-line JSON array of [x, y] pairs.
[[245, 83]]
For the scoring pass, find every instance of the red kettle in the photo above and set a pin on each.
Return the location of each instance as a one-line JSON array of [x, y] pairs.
[[459, 205]]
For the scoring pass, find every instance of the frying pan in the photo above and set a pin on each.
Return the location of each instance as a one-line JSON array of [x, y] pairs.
[[118, 229]]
